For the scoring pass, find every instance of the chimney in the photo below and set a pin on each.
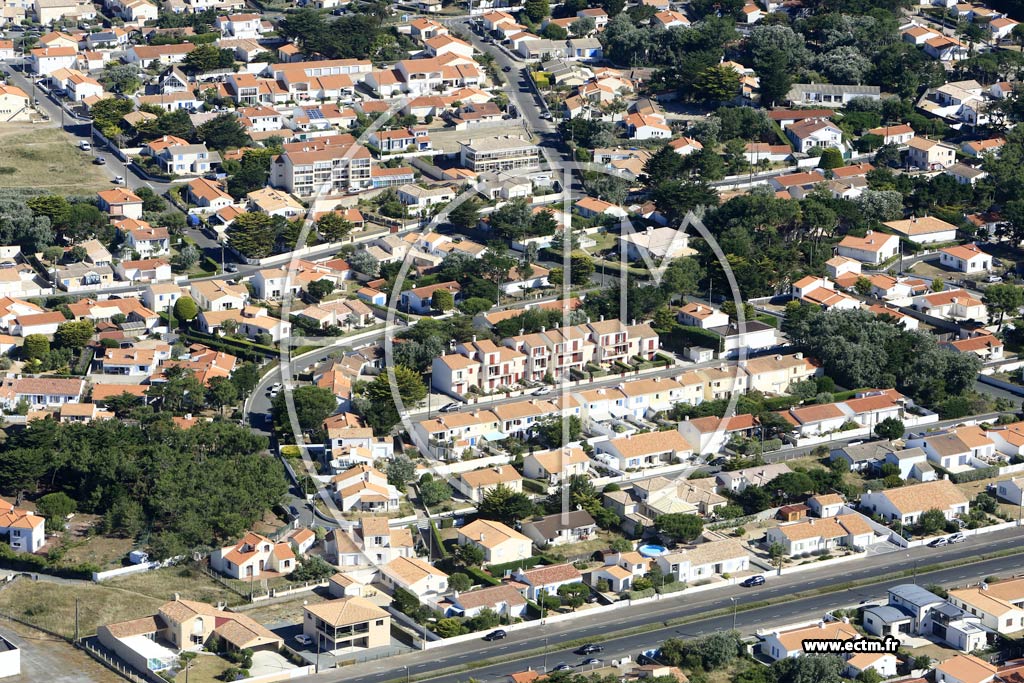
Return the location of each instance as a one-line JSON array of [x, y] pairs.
[[799, 355], [778, 357], [177, 597], [542, 329], [602, 317]]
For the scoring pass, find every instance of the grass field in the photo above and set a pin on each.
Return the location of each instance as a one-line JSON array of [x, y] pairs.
[[44, 156], [189, 583], [52, 607]]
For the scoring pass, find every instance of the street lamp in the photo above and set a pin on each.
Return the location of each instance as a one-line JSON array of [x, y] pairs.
[[545, 655], [406, 667], [733, 598]]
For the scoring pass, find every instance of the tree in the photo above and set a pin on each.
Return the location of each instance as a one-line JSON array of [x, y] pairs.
[[333, 227], [442, 300], [891, 428], [120, 78], [932, 521], [680, 527], [536, 9], [151, 201], [777, 554], [449, 627], [434, 492], [573, 594], [468, 554], [207, 57], [55, 507], [187, 258], [54, 207], [466, 214], [221, 392], [830, 158], [74, 334], [252, 234], [862, 286], [400, 470], [717, 84], [312, 406], [474, 305], [846, 64], [775, 72], [185, 308], [1002, 299], [586, 25], [223, 132], [581, 267], [318, 289], [554, 31], [123, 404], [364, 262], [459, 582], [504, 505], [36, 347], [880, 205], [808, 669]]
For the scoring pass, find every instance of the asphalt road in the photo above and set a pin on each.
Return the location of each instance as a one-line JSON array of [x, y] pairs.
[[421, 664]]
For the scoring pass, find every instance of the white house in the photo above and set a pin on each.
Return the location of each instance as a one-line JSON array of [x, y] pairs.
[[499, 543], [253, 556], [873, 248], [967, 258], [414, 575], [907, 503], [705, 560]]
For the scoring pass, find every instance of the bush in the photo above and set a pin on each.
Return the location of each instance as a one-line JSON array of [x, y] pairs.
[[638, 594], [673, 587]]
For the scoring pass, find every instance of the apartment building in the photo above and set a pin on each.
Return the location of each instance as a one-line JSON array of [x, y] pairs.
[[500, 153], [317, 167]]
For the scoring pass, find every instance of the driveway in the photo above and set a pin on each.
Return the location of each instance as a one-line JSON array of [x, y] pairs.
[[269, 662]]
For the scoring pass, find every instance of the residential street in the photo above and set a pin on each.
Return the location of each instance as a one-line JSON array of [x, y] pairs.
[[421, 664]]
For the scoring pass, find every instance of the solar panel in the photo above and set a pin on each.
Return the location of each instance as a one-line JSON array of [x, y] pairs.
[[315, 114]]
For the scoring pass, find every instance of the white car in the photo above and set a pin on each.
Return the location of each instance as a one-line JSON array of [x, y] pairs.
[[118, 179], [303, 639], [993, 278], [543, 391], [84, 146]]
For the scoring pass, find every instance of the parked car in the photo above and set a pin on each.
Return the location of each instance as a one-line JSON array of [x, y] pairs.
[[752, 581], [589, 649], [993, 278], [450, 407], [956, 538], [303, 639], [938, 542], [496, 635]]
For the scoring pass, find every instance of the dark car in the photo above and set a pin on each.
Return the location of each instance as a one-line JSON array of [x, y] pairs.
[[506, 69], [752, 581], [450, 407], [99, 161], [589, 649], [496, 635]]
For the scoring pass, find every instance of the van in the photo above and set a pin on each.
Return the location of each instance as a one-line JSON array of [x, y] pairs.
[[84, 146]]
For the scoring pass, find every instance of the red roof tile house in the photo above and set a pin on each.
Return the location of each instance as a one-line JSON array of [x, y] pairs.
[[874, 247], [419, 299], [40, 392], [120, 202], [253, 556], [534, 583], [25, 530], [967, 258]]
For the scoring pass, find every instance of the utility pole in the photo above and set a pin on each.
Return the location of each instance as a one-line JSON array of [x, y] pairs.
[[733, 598], [76, 619]]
